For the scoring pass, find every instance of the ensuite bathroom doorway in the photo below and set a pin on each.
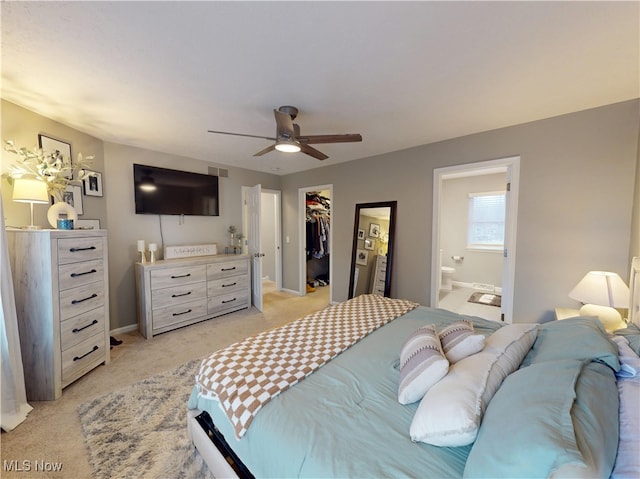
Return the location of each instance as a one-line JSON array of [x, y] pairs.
[[474, 226]]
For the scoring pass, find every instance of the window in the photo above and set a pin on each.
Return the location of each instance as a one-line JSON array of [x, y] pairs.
[[486, 220]]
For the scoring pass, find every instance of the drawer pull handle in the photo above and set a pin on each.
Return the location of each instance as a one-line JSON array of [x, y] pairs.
[[184, 312], [180, 276], [76, 250], [227, 285], [76, 301], [77, 330], [78, 358], [227, 269], [229, 301], [75, 275], [179, 295]]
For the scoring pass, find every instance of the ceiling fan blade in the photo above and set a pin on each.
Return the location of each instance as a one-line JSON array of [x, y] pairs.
[[266, 150], [316, 139], [311, 151], [242, 134]]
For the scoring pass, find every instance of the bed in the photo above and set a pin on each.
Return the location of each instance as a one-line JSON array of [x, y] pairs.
[[544, 402]]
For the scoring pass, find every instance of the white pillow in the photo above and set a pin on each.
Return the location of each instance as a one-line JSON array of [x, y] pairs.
[[422, 364], [459, 341], [451, 411]]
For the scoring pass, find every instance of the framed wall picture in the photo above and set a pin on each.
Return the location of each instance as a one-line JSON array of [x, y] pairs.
[[374, 230], [92, 184], [57, 148], [73, 196], [362, 257], [361, 234], [368, 244]]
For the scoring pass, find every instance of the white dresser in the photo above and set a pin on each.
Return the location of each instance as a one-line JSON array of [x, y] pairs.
[[178, 292], [379, 276], [61, 282]]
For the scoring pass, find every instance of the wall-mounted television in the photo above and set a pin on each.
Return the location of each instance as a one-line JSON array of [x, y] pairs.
[[161, 191]]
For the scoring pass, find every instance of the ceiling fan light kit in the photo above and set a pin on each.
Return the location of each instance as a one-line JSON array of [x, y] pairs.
[[288, 138]]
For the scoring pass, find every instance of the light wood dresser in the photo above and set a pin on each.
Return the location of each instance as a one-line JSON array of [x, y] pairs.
[[379, 276], [61, 282], [177, 292]]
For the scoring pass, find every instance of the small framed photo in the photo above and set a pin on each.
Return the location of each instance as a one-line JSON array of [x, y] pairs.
[[368, 244], [87, 224], [362, 257], [57, 148], [361, 234], [93, 183], [72, 196], [374, 230]]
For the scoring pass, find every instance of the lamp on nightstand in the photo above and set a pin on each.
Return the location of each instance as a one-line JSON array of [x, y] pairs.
[[30, 190], [601, 292]]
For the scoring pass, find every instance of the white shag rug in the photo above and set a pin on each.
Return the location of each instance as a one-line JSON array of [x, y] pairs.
[[141, 430]]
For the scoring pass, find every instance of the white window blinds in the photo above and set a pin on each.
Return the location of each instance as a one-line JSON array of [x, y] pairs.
[[486, 220]]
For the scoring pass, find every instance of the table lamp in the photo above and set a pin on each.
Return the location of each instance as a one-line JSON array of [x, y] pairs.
[[601, 292], [30, 190]]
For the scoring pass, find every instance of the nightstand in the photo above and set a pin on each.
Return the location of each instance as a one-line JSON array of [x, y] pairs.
[[565, 313]]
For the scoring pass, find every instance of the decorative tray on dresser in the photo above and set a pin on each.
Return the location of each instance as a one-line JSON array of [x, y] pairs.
[[177, 292], [62, 302]]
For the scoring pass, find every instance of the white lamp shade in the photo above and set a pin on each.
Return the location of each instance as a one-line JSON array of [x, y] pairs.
[[603, 289], [30, 190]]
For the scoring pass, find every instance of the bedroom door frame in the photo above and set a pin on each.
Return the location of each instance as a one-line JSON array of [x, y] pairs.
[[511, 166], [302, 234]]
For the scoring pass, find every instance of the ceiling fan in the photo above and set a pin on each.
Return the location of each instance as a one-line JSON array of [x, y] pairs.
[[289, 139]]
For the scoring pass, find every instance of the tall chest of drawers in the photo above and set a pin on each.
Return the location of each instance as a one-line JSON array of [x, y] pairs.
[[178, 292], [61, 282], [379, 276]]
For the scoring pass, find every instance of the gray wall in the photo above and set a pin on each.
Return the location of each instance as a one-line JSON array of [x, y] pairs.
[[478, 266], [577, 177], [125, 227]]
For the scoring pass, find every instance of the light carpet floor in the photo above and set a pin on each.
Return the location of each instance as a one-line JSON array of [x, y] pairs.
[[52, 432]]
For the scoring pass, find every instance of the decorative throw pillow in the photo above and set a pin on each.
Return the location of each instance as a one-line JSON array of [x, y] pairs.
[[451, 411], [459, 341], [422, 364]]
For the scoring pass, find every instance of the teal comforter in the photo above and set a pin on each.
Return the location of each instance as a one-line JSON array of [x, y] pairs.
[[345, 419]]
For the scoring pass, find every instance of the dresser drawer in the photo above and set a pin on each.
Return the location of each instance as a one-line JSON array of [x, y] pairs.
[[164, 278], [227, 268], [219, 304], [161, 298], [82, 357], [74, 250], [227, 285], [81, 299], [75, 330], [76, 274], [178, 313]]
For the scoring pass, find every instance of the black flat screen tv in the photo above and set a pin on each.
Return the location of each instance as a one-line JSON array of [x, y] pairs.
[[161, 191]]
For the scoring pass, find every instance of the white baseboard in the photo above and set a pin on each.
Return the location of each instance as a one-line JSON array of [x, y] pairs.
[[479, 286], [291, 291], [124, 329]]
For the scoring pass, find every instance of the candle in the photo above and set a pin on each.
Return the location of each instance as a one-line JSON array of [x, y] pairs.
[[141, 246], [153, 247]]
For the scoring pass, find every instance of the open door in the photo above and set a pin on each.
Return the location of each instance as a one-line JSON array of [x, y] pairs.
[[253, 203]]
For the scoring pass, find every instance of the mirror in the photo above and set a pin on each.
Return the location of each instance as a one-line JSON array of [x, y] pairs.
[[372, 251]]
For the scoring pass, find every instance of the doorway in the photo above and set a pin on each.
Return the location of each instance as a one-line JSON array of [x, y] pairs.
[[261, 219], [454, 263], [318, 265]]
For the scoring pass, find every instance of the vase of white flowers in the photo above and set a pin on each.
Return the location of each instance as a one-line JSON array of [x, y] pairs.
[[55, 170]]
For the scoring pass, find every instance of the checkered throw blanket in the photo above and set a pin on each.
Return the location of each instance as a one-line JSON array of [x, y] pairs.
[[246, 375]]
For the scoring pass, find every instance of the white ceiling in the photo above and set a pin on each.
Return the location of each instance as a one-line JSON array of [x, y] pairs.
[[158, 75]]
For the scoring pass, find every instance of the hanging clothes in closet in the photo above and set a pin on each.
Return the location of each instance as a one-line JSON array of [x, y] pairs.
[[318, 224]]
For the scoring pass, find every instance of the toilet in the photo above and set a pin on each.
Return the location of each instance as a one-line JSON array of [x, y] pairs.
[[446, 278]]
